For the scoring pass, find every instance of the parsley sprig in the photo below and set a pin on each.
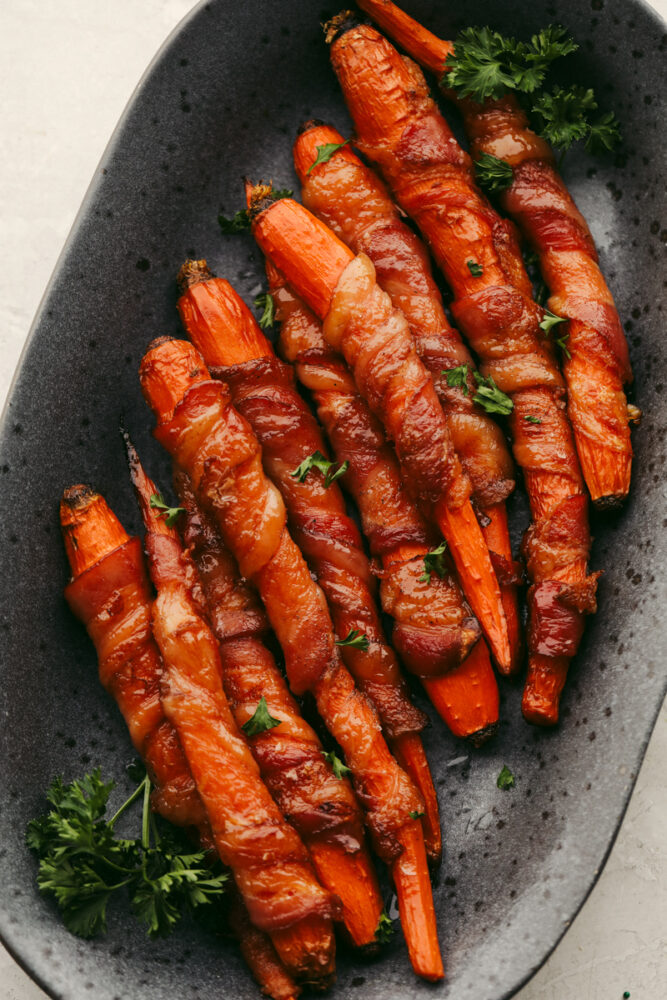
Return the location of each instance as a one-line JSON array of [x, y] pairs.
[[385, 929], [549, 320], [329, 470], [339, 768], [267, 305], [83, 864], [240, 221], [486, 64], [171, 514], [490, 397], [260, 721], [505, 779], [355, 639], [434, 562], [325, 152]]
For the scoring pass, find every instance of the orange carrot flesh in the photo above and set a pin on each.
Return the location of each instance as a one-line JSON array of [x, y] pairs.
[[498, 540], [260, 955], [204, 432], [90, 528], [362, 900], [415, 904], [410, 754], [283, 231], [424, 47], [467, 697]]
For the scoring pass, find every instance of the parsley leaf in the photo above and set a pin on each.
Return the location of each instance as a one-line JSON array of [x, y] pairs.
[[415, 814], [505, 779], [82, 864], [475, 269], [490, 397], [339, 769], [325, 152], [532, 420], [565, 116], [356, 639], [457, 378], [492, 173], [434, 563], [385, 929], [171, 514], [266, 303], [327, 468], [261, 720], [240, 221], [551, 319], [485, 63]]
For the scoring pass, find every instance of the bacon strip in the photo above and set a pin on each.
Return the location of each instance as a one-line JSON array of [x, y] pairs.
[[350, 198], [400, 129], [361, 323], [235, 350], [538, 200], [109, 593], [426, 615], [215, 446], [321, 807]]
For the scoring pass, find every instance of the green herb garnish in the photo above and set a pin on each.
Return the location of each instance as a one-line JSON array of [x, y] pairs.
[[385, 928], [492, 173], [532, 420], [434, 562], [267, 305], [565, 116], [339, 769], [505, 779], [82, 864], [171, 514], [490, 397], [457, 378], [415, 814], [356, 639], [475, 269], [327, 468], [240, 221], [325, 152], [260, 721]]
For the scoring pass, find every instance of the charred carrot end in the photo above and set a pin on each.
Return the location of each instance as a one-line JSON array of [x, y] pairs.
[[260, 955], [145, 491], [90, 529], [168, 369], [607, 472], [544, 685], [285, 224], [425, 47], [216, 318], [467, 698], [410, 754], [478, 579], [352, 877], [309, 946], [497, 537], [415, 904]]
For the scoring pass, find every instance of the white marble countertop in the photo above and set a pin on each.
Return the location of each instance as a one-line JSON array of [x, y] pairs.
[[70, 68]]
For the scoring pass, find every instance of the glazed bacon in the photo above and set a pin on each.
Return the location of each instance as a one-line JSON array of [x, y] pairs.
[[400, 128], [320, 806], [223, 329], [426, 615], [350, 198], [109, 593], [214, 445], [361, 323], [537, 199]]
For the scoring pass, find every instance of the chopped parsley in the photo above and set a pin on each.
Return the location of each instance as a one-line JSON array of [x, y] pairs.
[[355, 639], [475, 269], [171, 514], [261, 720], [339, 769], [325, 152], [505, 779], [266, 304], [457, 378], [385, 928], [532, 420], [492, 173], [240, 221], [434, 562], [490, 397], [329, 469], [415, 814]]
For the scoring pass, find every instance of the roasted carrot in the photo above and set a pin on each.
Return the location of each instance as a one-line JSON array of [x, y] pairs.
[[216, 447], [360, 321], [106, 564], [320, 806], [423, 610], [389, 101], [234, 348], [596, 366], [350, 198]]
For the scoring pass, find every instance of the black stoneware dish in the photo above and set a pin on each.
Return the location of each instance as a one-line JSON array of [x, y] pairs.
[[224, 98]]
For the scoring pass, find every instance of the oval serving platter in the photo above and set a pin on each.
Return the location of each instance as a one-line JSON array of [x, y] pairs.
[[224, 98]]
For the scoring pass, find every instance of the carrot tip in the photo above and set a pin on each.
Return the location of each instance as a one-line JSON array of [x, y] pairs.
[[483, 736], [338, 25], [611, 502], [193, 272]]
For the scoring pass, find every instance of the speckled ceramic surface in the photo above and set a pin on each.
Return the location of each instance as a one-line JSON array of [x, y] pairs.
[[222, 99]]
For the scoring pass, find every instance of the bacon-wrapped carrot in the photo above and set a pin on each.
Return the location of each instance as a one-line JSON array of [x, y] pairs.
[[400, 128], [234, 348], [320, 806], [215, 446], [596, 366], [351, 199], [109, 593], [361, 323], [424, 609]]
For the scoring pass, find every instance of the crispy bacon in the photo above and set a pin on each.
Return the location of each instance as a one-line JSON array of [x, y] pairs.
[[401, 130], [113, 601]]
